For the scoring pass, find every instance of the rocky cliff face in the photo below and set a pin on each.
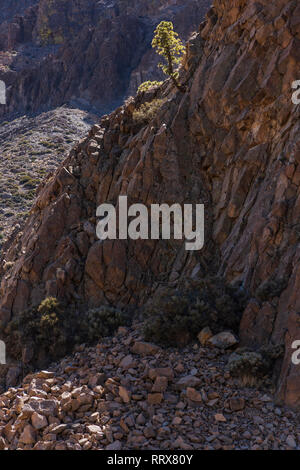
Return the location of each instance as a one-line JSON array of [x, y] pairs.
[[10, 9], [87, 53], [232, 142]]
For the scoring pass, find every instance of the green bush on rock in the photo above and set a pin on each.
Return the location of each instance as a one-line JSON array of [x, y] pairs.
[[175, 316], [149, 85], [147, 111], [101, 322], [252, 368], [52, 329]]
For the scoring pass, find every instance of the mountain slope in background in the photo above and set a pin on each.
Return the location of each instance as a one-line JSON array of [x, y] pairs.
[[30, 148], [89, 53]]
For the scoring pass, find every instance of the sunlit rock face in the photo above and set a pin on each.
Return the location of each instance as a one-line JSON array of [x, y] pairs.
[[88, 53]]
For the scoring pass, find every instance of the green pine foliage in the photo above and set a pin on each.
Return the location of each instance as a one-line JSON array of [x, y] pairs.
[[149, 85], [169, 46]]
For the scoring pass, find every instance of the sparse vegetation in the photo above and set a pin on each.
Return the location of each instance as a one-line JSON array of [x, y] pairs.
[[252, 368], [31, 147], [101, 322], [146, 86], [147, 111], [53, 329], [175, 317]]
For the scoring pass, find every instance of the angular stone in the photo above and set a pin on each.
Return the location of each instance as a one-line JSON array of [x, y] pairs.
[[161, 372], [38, 421], [236, 403], [193, 395], [59, 429], [180, 444], [144, 349], [187, 381], [124, 394], [155, 398], [27, 411], [2, 443], [220, 418], [149, 432], [291, 442], [160, 384], [45, 374], [127, 362], [204, 336], [114, 446], [93, 428], [28, 435], [223, 340]]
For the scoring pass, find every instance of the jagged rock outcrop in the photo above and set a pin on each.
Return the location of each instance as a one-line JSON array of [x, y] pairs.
[[232, 142], [87, 53]]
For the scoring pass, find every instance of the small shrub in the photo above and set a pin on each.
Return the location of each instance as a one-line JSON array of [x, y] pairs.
[[53, 330], [175, 317], [248, 367], [101, 322], [149, 85], [253, 368], [44, 327], [147, 111], [7, 265]]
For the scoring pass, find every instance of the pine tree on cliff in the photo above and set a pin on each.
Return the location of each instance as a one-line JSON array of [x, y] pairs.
[[167, 44]]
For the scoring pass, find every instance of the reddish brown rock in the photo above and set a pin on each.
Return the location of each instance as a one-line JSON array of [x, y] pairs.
[[28, 436], [38, 421], [155, 398], [160, 384], [236, 403], [61, 48], [161, 372], [230, 142], [144, 349], [193, 395]]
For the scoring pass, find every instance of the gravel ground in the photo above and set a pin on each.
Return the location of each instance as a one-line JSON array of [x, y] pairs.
[[128, 394]]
